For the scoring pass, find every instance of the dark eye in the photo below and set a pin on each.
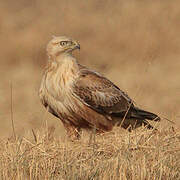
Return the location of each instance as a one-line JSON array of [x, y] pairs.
[[63, 43]]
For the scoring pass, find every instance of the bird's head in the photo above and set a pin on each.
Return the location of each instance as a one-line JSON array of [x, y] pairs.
[[61, 44]]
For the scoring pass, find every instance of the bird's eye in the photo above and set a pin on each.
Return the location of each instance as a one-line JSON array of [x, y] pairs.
[[63, 43]]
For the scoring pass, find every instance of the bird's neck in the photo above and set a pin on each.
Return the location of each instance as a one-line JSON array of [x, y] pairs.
[[67, 69], [65, 64], [63, 58]]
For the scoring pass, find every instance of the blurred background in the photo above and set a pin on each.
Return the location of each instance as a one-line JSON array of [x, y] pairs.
[[136, 44]]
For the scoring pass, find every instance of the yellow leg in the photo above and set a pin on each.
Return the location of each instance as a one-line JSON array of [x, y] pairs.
[[73, 132]]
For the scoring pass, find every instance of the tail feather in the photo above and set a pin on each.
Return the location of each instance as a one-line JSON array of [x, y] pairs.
[[141, 114]]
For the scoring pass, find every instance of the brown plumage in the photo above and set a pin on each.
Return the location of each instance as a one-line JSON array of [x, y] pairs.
[[82, 98]]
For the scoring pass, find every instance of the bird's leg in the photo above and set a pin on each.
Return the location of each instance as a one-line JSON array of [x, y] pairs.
[[73, 132]]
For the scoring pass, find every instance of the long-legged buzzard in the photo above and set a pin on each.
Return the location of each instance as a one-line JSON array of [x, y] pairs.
[[82, 98]]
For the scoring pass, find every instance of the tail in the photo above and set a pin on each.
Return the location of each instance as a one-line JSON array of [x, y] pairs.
[[141, 114]]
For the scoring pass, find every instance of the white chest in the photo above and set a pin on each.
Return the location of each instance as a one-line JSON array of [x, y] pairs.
[[59, 80]]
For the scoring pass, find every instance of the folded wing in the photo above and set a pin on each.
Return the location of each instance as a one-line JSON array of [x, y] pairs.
[[100, 94]]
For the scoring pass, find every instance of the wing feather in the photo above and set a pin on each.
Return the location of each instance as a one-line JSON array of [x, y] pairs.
[[100, 93]]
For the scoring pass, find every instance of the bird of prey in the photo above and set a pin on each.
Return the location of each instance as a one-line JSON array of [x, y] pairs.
[[83, 98]]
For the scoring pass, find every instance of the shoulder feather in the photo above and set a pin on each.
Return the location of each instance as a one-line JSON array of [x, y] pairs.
[[100, 93]]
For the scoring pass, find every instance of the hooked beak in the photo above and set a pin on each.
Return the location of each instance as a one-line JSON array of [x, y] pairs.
[[77, 46]]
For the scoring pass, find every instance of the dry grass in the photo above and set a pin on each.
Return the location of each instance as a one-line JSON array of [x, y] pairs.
[[116, 155], [135, 44]]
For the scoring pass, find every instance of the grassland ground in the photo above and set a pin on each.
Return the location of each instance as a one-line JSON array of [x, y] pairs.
[[141, 154]]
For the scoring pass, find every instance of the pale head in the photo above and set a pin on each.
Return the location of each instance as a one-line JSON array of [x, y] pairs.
[[61, 44]]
